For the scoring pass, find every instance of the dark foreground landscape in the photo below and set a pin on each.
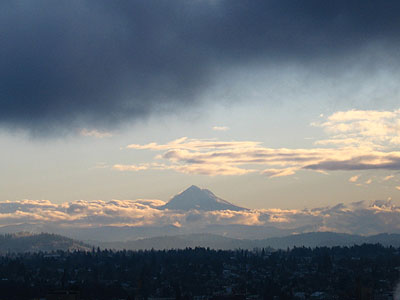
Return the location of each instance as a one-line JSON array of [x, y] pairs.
[[358, 272]]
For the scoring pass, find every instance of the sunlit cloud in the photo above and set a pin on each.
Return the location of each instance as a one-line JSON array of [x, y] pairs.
[[354, 178], [388, 177], [220, 128], [131, 167], [360, 217], [185, 143], [211, 169], [357, 140], [367, 128]]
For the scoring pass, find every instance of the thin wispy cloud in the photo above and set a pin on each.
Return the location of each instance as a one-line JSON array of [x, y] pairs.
[[131, 167], [220, 128], [101, 165], [354, 178], [278, 172], [185, 143], [95, 133], [389, 177]]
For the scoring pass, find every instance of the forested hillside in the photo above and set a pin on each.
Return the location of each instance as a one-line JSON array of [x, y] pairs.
[[46, 242]]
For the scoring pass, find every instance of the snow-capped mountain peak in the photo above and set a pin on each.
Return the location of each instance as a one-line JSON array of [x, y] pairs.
[[200, 199]]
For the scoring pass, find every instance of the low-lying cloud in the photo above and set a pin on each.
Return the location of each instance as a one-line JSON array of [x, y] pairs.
[[357, 218]]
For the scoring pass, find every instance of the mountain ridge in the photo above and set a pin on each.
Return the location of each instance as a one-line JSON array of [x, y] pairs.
[[45, 242], [214, 241]]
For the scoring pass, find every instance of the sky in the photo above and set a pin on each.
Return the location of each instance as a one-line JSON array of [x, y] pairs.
[[269, 104]]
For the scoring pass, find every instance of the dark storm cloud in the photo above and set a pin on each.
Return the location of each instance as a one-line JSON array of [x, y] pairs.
[[68, 64]]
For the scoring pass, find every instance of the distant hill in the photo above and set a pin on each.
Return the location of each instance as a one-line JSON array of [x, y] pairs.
[[200, 199], [28, 242], [385, 239], [312, 239], [328, 239], [100, 233], [182, 241], [129, 233]]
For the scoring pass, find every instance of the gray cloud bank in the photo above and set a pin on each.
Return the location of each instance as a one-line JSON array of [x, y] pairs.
[[355, 218], [68, 64]]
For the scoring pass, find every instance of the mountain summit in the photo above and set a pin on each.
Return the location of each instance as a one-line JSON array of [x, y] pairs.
[[201, 199]]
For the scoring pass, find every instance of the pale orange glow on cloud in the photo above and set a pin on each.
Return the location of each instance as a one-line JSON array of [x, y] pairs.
[[388, 177], [185, 143], [131, 167], [368, 128], [359, 140], [360, 217], [354, 178], [220, 128]]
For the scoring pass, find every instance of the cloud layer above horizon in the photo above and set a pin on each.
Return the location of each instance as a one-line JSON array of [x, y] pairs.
[[355, 218], [357, 140], [68, 65]]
